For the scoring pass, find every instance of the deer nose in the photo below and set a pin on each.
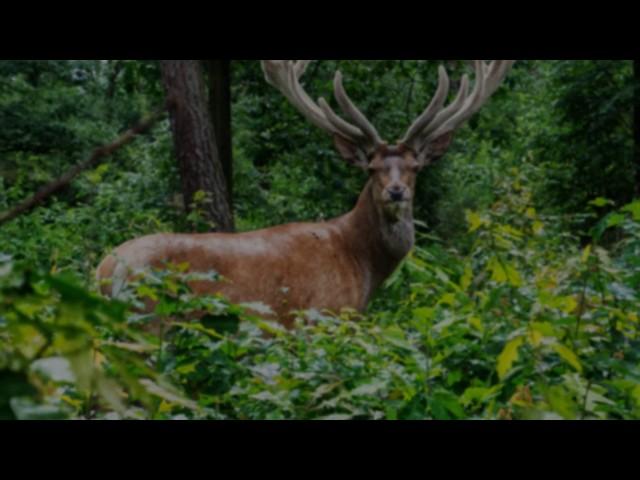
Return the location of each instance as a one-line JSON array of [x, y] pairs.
[[397, 193]]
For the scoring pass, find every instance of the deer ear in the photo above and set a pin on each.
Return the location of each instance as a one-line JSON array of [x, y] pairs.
[[351, 152], [435, 149]]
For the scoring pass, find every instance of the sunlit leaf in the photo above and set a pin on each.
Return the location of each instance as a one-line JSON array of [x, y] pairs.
[[447, 299], [479, 395], [474, 220], [111, 393], [467, 278], [615, 219], [168, 395], [187, 369], [337, 417], [561, 401], [535, 337], [537, 227], [396, 336], [634, 209], [568, 355], [27, 409], [508, 356], [476, 322], [601, 202], [144, 291], [368, 389], [424, 314], [502, 272]]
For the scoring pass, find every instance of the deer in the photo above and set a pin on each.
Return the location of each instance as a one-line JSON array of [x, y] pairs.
[[334, 265]]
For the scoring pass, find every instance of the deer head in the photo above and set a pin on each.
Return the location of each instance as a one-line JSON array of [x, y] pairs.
[[392, 168]]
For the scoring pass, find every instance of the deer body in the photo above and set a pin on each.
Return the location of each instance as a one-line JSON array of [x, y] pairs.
[[327, 266], [337, 264]]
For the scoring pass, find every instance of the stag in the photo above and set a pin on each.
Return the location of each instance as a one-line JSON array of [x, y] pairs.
[[333, 265]]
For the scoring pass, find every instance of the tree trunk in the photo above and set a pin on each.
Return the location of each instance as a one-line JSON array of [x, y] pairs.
[[636, 123], [195, 142], [220, 109]]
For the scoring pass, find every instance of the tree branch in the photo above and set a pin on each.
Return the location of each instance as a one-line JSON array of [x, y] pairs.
[[98, 155]]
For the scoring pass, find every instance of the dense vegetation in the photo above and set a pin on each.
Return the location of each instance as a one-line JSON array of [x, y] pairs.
[[520, 301]]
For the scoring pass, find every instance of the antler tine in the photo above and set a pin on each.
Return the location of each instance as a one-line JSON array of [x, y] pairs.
[[432, 110], [285, 76], [354, 113], [474, 99], [435, 121], [447, 113], [338, 122], [301, 67], [489, 78]]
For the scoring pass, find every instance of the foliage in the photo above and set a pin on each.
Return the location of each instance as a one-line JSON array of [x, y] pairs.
[[591, 131], [525, 324], [520, 300]]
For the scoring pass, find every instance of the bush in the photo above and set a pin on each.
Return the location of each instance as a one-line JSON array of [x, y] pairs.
[[523, 324]]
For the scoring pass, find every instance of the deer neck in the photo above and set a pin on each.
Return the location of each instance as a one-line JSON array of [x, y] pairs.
[[378, 241]]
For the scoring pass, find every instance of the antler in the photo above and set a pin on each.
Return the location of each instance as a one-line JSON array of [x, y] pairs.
[[437, 121], [285, 76]]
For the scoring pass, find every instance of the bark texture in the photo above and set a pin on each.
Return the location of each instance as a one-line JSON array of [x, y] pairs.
[[220, 108], [195, 141]]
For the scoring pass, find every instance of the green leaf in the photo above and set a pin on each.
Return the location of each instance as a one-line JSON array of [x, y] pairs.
[[508, 356], [601, 202], [498, 272], [369, 389], [634, 209], [537, 227], [131, 347], [565, 304], [169, 395], [479, 395], [27, 409], [561, 402], [187, 369], [223, 324], [476, 322], [467, 278], [635, 394], [424, 314], [396, 336], [145, 291], [503, 272], [444, 403], [474, 220], [568, 355], [337, 417], [615, 219], [447, 299], [544, 328], [13, 384]]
